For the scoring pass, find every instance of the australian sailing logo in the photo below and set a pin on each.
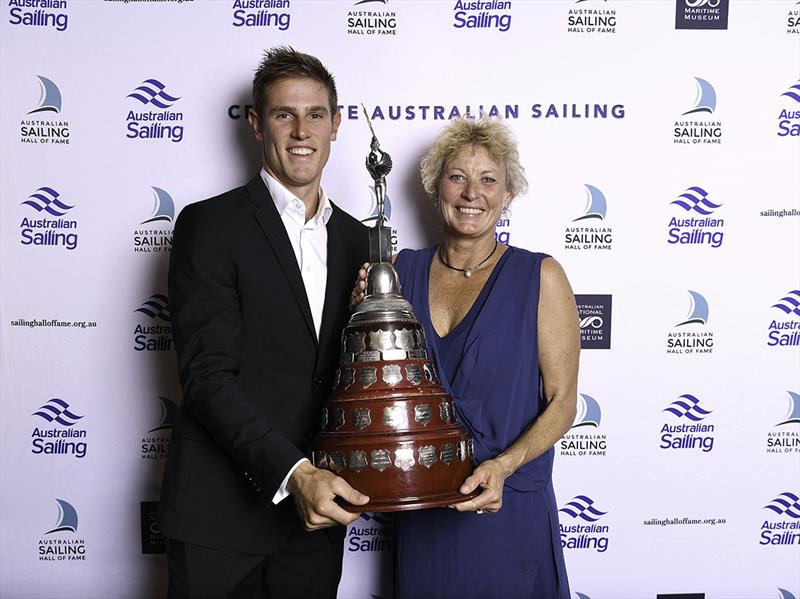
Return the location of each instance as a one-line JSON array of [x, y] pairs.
[[155, 336], [698, 227], [592, 233], [37, 130], [262, 13], [56, 431], [371, 532], [52, 230], [784, 331], [692, 335], [63, 545], [586, 533], [482, 14], [789, 118], [145, 123], [782, 529], [157, 235], [690, 432], [41, 13], [694, 130]]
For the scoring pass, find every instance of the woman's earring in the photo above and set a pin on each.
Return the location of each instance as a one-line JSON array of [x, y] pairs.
[[436, 202]]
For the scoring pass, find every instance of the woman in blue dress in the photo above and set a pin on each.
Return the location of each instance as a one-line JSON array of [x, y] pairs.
[[502, 326]]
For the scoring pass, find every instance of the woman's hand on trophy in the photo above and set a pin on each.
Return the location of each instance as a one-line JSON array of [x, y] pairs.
[[360, 287], [489, 478]]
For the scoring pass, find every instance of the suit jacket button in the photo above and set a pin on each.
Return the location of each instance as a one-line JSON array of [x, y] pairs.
[[318, 380]]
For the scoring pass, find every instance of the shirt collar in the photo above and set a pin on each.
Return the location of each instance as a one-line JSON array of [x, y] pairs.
[[283, 198]]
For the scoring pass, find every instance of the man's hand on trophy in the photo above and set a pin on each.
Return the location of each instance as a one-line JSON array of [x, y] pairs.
[[360, 287], [315, 491]]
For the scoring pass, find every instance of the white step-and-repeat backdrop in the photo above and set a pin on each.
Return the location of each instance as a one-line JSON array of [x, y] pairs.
[[662, 142]]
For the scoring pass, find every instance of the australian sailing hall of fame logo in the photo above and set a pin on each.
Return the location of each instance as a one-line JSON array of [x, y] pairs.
[[584, 438], [366, 17], [784, 437], [692, 335], [693, 129], [586, 530], [784, 329], [36, 130], [156, 333], [48, 227], [592, 233], [155, 234], [61, 543], [592, 19], [57, 430], [145, 123], [782, 526], [155, 444]]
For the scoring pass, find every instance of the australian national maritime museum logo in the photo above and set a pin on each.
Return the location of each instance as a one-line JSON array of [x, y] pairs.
[[590, 233], [153, 116], [154, 234], [595, 324], [61, 542], [156, 333], [697, 130], [53, 130], [692, 335], [585, 438]]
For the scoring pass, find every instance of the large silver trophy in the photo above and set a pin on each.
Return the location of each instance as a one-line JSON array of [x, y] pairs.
[[389, 427]]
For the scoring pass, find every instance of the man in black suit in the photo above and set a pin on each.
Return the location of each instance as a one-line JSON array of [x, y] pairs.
[[259, 286]]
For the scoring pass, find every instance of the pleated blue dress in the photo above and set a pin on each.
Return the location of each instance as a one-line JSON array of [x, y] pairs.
[[489, 365]]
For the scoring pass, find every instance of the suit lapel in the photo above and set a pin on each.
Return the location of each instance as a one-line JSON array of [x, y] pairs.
[[339, 279], [272, 226]]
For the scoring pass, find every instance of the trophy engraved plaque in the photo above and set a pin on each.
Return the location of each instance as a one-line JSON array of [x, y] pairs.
[[389, 427]]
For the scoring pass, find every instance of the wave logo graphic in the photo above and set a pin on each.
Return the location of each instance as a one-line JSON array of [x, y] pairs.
[[373, 213], [696, 199], [794, 91], [706, 100], [790, 303], [793, 417], [698, 310], [169, 414], [785, 503], [591, 322], [57, 410], [783, 592], [151, 91], [588, 412], [687, 406], [164, 209], [67, 518], [50, 100], [595, 204], [156, 306], [582, 507], [379, 518], [45, 199]]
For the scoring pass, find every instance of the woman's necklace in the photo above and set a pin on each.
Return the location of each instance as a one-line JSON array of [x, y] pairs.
[[468, 271]]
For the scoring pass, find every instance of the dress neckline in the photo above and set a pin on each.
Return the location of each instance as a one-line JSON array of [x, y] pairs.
[[470, 316]]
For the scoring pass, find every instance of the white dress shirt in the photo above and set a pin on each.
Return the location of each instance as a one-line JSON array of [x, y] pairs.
[[309, 241]]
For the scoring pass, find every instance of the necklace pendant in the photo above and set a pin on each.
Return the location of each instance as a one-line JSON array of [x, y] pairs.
[[468, 272]]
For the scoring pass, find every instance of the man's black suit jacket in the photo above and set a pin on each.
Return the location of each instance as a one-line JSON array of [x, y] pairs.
[[254, 375]]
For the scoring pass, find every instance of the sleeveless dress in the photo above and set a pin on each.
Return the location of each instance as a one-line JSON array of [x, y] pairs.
[[489, 365]]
